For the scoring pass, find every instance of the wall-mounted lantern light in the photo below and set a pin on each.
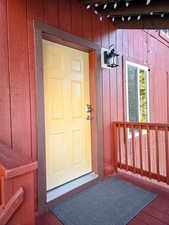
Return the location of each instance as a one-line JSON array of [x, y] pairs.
[[110, 58]]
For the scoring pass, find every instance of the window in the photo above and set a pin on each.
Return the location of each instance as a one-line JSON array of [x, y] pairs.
[[165, 32], [137, 93]]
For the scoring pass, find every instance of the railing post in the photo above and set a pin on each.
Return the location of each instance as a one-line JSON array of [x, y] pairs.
[[114, 146]]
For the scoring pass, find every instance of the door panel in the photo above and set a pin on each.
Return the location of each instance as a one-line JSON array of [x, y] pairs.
[[68, 132]]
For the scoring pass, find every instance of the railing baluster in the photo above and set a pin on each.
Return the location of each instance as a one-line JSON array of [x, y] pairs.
[[133, 146], [157, 153], [121, 147], [167, 154], [149, 151], [140, 147], [114, 147], [119, 141], [126, 146]]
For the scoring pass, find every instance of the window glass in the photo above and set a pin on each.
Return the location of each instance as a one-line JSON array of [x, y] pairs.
[[137, 92], [133, 94]]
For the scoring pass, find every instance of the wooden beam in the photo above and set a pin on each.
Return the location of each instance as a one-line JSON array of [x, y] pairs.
[[11, 207], [156, 6], [145, 173], [149, 22]]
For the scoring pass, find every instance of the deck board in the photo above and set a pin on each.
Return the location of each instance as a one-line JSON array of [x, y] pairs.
[[156, 213]]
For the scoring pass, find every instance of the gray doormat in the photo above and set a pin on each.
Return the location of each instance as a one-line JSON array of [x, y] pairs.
[[110, 202]]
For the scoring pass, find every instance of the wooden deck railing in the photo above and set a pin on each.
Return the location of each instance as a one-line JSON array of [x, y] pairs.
[[17, 188], [8, 210], [142, 148]]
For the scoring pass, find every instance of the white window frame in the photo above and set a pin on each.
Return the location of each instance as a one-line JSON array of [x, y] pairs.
[[139, 66], [163, 33]]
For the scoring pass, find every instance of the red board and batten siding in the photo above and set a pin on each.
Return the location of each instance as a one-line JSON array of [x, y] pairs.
[[17, 66], [18, 104]]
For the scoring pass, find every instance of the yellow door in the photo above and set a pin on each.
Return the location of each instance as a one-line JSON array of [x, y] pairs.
[[68, 132]]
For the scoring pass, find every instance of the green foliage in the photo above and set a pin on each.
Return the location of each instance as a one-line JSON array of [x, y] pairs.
[[143, 96]]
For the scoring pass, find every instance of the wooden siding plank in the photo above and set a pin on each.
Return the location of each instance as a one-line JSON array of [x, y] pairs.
[[167, 154], [65, 22], [35, 11], [106, 104], [19, 76], [5, 119], [113, 77], [87, 25], [96, 31], [77, 18], [51, 12]]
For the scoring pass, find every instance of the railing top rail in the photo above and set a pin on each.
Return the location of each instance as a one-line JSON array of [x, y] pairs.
[[143, 125]]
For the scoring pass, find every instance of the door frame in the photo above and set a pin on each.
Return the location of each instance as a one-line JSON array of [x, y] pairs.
[[50, 33]]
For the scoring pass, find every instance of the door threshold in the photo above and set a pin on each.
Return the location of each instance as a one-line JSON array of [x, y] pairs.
[[71, 186]]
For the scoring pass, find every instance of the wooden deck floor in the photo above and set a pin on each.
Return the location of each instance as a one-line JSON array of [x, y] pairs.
[[156, 213]]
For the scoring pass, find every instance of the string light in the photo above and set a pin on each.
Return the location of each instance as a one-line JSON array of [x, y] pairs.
[[129, 18], [122, 18], [101, 18], [113, 19], [108, 16], [115, 5], [96, 4], [127, 4], [139, 17], [148, 2], [162, 15], [151, 13], [88, 6], [95, 11], [105, 6]]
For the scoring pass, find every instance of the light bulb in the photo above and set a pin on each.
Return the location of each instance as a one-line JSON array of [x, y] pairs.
[[115, 5], [129, 18], [105, 6], [88, 6], [139, 17], [148, 2]]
